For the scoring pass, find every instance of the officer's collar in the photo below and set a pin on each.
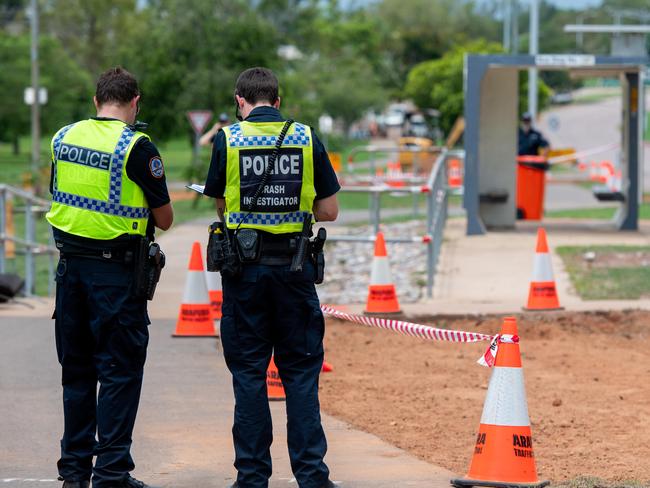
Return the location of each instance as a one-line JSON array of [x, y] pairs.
[[265, 113], [106, 119]]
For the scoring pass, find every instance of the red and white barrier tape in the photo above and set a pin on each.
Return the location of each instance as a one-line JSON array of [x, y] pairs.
[[428, 333]]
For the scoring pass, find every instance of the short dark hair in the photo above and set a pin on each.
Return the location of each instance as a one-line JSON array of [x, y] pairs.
[[116, 85], [257, 85]]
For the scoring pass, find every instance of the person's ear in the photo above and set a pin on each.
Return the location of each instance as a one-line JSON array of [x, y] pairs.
[[96, 103], [241, 101], [134, 102], [277, 103]]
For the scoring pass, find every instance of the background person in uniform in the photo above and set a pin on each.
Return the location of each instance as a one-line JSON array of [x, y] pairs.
[[108, 190], [531, 141], [268, 308], [208, 138]]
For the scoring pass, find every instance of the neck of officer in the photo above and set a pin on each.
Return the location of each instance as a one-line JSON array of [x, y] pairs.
[[248, 108], [111, 111]]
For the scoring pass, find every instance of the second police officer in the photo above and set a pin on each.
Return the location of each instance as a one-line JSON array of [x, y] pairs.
[[109, 191], [268, 308]]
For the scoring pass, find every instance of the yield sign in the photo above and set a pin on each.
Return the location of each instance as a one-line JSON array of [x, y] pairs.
[[199, 119]]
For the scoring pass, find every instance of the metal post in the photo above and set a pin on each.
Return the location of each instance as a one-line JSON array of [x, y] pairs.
[[29, 251], [36, 120], [3, 228], [533, 49], [375, 211], [430, 232], [515, 27], [507, 25]]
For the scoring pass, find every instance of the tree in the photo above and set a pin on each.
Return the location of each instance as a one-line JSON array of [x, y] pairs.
[[69, 87], [439, 84]]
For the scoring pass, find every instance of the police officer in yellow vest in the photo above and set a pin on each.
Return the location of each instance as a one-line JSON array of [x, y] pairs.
[[108, 192], [268, 308]]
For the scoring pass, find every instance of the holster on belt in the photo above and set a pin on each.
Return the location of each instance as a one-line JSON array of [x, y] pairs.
[[148, 264]]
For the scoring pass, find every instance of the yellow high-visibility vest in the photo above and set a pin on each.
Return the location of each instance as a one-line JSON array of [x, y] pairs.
[[92, 194], [289, 193]]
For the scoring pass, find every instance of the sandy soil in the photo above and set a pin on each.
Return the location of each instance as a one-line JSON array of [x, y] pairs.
[[587, 379]]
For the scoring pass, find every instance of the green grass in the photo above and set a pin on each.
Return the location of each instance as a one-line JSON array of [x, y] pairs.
[[593, 282], [13, 167], [595, 213], [591, 482]]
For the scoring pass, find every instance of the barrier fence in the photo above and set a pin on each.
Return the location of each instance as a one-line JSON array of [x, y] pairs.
[[427, 332], [433, 186], [32, 208]]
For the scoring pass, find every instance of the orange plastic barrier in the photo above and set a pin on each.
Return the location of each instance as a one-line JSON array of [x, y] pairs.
[[531, 180]]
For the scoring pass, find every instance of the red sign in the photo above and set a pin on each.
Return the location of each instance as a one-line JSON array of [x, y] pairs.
[[199, 119]]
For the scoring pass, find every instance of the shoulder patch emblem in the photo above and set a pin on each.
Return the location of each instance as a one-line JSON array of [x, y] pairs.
[[156, 167]]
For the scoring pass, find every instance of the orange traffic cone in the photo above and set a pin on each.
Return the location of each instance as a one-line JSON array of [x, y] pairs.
[[274, 388], [215, 293], [503, 455], [327, 367], [382, 298], [195, 316], [542, 294], [455, 174]]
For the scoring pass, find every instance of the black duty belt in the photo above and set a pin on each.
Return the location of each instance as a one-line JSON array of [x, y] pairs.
[[123, 254]]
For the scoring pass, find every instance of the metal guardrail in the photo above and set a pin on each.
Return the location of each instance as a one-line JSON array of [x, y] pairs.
[[434, 188], [33, 207]]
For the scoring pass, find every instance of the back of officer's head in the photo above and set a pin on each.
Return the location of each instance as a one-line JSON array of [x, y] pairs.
[[257, 85], [116, 86]]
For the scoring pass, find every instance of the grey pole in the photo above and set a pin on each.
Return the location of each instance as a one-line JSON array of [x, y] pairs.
[[533, 49], [507, 24], [36, 118], [515, 28]]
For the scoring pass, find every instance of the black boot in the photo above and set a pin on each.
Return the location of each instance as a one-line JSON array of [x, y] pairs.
[[76, 484], [131, 482]]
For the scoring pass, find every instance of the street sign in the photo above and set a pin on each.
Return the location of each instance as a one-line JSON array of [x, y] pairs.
[[570, 60], [28, 96], [199, 119]]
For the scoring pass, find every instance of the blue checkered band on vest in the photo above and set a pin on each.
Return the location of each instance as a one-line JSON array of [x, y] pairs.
[[235, 218], [112, 206], [238, 139]]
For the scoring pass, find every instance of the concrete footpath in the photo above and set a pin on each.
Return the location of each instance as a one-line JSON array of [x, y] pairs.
[[182, 437]]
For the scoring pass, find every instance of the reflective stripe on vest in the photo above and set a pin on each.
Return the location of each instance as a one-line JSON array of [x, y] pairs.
[[113, 206], [288, 196], [237, 138]]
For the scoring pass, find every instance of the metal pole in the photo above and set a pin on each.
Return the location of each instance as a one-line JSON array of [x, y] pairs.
[[29, 254], [375, 205], [533, 49], [507, 25], [3, 228], [36, 118], [515, 27], [430, 232]]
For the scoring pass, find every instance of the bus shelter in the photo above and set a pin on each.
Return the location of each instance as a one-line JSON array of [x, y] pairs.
[[491, 88]]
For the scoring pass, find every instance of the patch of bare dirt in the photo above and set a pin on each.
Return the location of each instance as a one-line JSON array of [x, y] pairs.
[[587, 380]]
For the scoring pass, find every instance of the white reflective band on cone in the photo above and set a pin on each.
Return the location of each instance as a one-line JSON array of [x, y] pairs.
[[213, 280], [505, 403], [542, 268], [380, 274], [196, 289]]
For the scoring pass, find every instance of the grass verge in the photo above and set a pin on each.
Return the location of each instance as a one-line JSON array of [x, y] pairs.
[[626, 278], [590, 482], [596, 213]]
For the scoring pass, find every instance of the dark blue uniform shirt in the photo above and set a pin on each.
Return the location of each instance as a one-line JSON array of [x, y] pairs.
[[325, 180], [530, 142]]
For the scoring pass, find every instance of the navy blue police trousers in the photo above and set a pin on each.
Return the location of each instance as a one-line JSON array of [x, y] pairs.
[[271, 310], [101, 337]]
